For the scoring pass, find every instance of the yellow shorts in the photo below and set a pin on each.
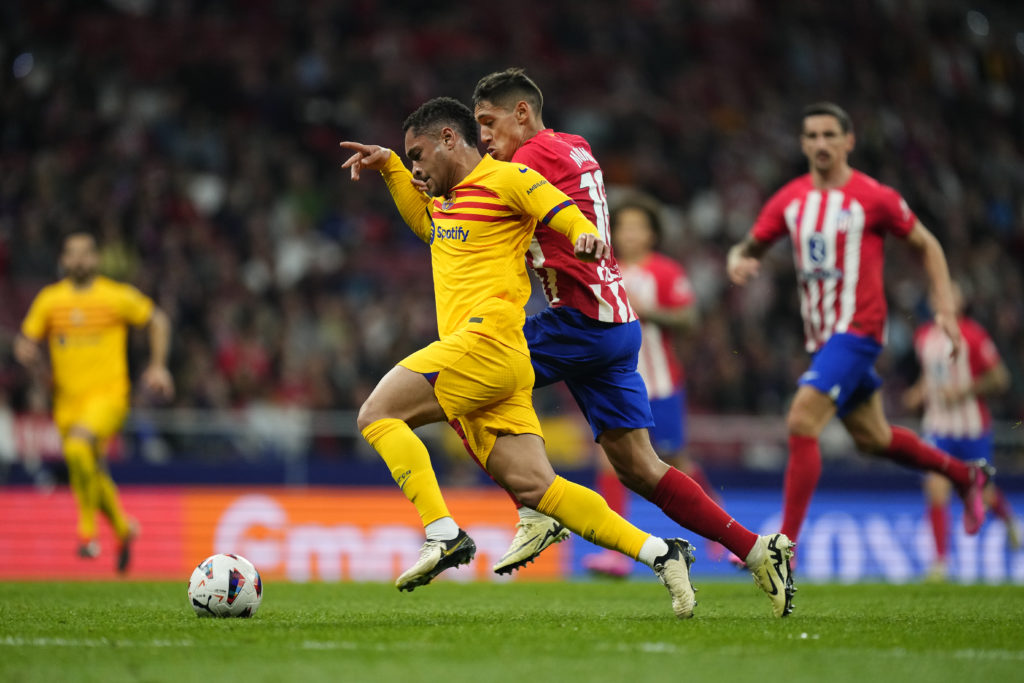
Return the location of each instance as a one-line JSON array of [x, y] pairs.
[[101, 414], [484, 385]]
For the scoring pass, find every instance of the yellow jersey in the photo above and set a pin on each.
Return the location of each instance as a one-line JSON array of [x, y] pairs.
[[478, 238], [87, 333]]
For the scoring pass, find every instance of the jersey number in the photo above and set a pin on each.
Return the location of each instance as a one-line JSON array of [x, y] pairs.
[[593, 183]]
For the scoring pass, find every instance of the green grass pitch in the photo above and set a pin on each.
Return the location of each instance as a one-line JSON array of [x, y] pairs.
[[523, 632]]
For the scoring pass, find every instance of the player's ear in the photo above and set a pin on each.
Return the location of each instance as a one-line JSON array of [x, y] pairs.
[[522, 111], [851, 141]]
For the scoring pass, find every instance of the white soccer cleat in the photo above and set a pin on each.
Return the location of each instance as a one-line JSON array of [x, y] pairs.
[[773, 575], [435, 557], [533, 535], [673, 570]]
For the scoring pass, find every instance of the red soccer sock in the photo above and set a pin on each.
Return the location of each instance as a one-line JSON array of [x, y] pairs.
[[802, 473], [908, 449], [612, 490], [696, 472], [939, 516], [682, 499]]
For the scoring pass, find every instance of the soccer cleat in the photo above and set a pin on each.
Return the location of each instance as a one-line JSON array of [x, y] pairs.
[[89, 550], [774, 575], [938, 572], [435, 557], [673, 570], [609, 563], [532, 537], [124, 551], [974, 505]]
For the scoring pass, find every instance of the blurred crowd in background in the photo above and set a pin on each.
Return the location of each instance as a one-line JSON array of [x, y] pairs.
[[199, 140]]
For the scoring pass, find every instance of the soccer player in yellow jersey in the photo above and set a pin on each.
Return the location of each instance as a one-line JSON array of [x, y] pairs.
[[84, 318], [478, 219]]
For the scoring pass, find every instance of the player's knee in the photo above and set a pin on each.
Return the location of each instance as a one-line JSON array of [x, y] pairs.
[[528, 490], [800, 423], [869, 440], [369, 413]]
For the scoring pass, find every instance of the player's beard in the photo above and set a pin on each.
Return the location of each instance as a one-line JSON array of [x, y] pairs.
[[81, 276]]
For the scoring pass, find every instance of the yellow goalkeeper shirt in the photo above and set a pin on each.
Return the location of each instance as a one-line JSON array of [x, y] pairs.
[[87, 333], [478, 238]]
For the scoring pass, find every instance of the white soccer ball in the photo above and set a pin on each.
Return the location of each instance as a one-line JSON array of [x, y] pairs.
[[225, 586]]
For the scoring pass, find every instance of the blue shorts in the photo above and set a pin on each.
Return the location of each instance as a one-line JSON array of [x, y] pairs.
[[668, 436], [963, 448], [844, 370], [596, 360]]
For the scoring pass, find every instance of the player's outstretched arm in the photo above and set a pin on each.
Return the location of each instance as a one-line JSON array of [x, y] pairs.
[[934, 260], [156, 378], [408, 196], [744, 260], [370, 157]]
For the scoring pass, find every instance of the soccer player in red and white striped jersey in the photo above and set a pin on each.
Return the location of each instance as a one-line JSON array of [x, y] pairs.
[[837, 219], [956, 418], [589, 338]]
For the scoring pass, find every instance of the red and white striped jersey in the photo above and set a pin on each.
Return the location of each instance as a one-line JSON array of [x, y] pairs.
[[838, 243], [594, 289], [658, 282], [968, 418]]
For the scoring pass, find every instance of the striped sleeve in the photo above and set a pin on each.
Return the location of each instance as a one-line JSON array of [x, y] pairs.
[[532, 194]]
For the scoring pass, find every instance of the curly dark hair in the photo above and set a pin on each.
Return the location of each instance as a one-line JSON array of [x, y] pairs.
[[434, 114]]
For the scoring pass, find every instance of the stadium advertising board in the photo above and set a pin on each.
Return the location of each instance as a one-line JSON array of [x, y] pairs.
[[371, 534]]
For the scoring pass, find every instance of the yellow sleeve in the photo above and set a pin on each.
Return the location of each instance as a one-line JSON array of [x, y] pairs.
[[532, 194], [412, 204], [135, 307], [34, 326]]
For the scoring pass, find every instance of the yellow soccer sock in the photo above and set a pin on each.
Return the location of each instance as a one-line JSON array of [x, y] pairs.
[[110, 503], [409, 462], [587, 514], [81, 462]]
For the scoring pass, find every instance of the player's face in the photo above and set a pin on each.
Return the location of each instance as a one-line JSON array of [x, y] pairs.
[[824, 143], [632, 235], [80, 259], [431, 160], [499, 130]]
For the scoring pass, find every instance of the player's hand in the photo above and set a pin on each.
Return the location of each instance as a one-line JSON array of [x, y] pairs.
[[157, 380], [26, 351], [370, 157], [741, 268], [420, 185], [591, 248], [948, 324]]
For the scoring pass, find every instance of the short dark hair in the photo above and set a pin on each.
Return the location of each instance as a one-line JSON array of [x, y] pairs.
[[828, 109], [641, 202], [434, 114], [505, 88]]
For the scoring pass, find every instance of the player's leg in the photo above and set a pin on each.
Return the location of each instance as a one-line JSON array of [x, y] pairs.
[[937, 491], [518, 462], [401, 401], [808, 414], [873, 434], [78, 446], [102, 416], [615, 493]]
